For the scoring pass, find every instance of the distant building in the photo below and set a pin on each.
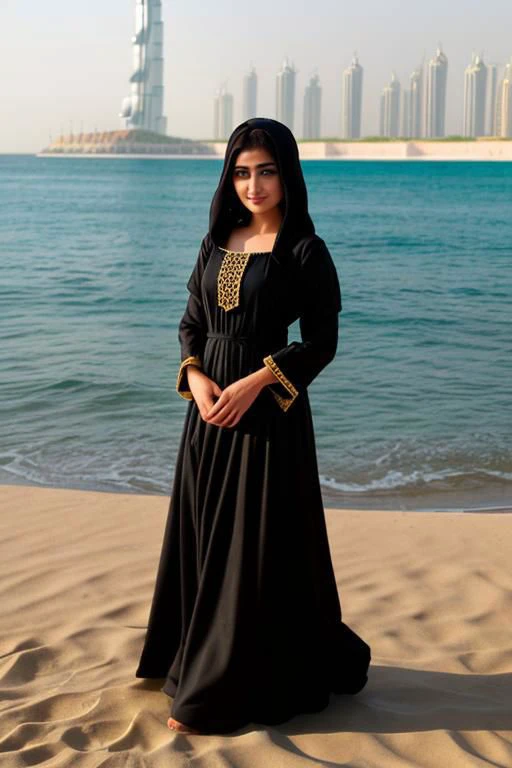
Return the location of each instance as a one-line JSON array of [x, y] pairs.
[[413, 105], [312, 109], [475, 87], [352, 100], [492, 93], [144, 107], [405, 113], [435, 104], [222, 114], [504, 112], [390, 108], [250, 93], [285, 94]]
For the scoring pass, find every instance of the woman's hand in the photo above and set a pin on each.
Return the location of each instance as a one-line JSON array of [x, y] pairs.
[[203, 389], [234, 400]]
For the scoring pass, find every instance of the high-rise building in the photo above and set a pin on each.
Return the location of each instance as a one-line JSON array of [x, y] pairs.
[[435, 103], [504, 111], [475, 86], [144, 107], [390, 108], [285, 94], [250, 91], [222, 114], [312, 109], [405, 113], [492, 92], [416, 102], [412, 106], [352, 100]]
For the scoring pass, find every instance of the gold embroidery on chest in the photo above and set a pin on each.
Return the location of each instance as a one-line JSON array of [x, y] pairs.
[[229, 278]]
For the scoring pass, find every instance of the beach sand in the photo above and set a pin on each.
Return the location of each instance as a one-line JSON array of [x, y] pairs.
[[430, 592]]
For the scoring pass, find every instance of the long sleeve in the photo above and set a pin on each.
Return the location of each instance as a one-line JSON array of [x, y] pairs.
[[192, 327], [296, 365]]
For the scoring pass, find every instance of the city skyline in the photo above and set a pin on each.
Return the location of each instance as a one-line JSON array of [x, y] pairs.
[[415, 112], [44, 98]]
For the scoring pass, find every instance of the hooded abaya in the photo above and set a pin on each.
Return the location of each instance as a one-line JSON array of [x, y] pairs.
[[245, 623]]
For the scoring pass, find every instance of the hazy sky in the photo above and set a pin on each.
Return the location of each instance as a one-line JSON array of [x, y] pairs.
[[68, 63]]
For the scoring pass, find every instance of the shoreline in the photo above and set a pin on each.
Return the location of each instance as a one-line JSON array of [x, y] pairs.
[[112, 156], [393, 504], [112, 146]]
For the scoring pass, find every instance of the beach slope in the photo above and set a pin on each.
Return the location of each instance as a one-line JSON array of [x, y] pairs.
[[430, 592]]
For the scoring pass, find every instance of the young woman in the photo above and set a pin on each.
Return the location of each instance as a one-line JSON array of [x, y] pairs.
[[245, 624]]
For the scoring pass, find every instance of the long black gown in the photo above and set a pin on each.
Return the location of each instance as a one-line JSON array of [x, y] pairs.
[[245, 623]]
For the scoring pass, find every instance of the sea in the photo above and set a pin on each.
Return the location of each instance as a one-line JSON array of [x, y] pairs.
[[414, 413]]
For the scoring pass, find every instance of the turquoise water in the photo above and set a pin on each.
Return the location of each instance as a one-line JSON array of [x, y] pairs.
[[414, 413]]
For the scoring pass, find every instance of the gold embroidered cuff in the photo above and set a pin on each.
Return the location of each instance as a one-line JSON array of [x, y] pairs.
[[283, 402], [186, 393]]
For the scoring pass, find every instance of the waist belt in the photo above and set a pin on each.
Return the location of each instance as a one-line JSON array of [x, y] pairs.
[[230, 336]]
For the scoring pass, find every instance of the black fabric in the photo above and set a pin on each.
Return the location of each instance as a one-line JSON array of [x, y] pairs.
[[245, 623]]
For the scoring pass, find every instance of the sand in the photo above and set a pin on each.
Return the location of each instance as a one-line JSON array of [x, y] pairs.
[[430, 592]]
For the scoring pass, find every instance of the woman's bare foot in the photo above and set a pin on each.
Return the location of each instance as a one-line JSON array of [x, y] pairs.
[[175, 725]]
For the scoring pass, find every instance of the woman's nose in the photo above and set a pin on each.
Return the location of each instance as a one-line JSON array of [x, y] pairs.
[[253, 184]]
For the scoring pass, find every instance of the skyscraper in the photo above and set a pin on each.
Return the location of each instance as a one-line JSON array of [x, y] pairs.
[[285, 94], [405, 113], [492, 92], [435, 104], [250, 90], [351, 100], [412, 103], [312, 109], [416, 102], [390, 108], [475, 86], [144, 107], [504, 116], [222, 114]]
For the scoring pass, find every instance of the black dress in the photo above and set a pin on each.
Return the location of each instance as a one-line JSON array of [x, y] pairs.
[[245, 624]]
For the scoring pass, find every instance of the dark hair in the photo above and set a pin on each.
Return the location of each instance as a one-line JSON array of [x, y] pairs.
[[255, 138], [227, 210]]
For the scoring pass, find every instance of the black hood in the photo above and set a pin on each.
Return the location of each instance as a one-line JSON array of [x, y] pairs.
[[226, 210]]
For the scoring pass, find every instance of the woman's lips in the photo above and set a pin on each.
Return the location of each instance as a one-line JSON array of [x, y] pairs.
[[256, 199]]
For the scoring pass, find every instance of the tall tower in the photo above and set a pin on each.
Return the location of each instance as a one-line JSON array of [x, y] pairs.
[[435, 106], [351, 100], [390, 108], [504, 103], [144, 107], [475, 86], [312, 109], [416, 102], [250, 91], [492, 92], [222, 114], [405, 113], [285, 94]]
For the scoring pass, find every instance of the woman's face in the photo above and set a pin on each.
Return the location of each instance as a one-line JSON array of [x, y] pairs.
[[256, 180]]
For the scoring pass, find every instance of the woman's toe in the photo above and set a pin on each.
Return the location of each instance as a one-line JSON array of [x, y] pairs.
[[175, 725]]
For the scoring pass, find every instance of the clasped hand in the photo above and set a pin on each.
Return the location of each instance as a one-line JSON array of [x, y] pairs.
[[232, 403]]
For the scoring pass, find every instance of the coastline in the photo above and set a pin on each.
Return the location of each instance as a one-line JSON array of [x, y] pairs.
[[485, 501], [483, 149], [428, 592]]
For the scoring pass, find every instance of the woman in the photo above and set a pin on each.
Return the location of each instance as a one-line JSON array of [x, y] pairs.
[[245, 624]]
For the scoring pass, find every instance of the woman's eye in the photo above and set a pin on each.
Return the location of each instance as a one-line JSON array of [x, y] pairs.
[[266, 170]]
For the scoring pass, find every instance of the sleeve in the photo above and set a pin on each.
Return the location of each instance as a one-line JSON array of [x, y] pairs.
[[192, 327], [296, 365]]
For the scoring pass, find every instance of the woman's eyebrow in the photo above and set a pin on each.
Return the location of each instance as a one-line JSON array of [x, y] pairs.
[[258, 165]]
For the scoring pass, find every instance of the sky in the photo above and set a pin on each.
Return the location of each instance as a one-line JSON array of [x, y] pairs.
[[66, 65]]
